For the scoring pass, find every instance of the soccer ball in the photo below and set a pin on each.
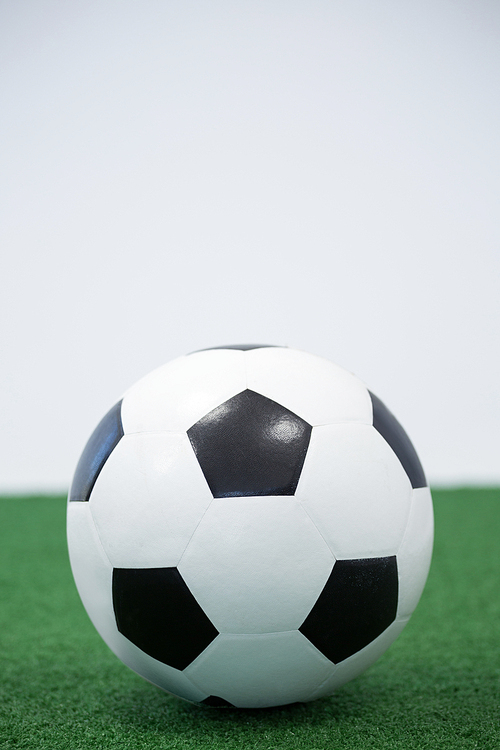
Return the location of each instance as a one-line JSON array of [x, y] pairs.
[[249, 526]]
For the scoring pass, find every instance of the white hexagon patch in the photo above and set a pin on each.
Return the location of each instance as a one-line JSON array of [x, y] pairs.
[[256, 564], [355, 490], [313, 388], [414, 555], [177, 395], [255, 671], [148, 500]]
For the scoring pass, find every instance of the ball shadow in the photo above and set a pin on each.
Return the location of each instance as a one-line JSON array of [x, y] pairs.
[[149, 709]]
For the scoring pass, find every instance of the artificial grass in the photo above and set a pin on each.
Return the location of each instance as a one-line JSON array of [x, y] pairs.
[[438, 686]]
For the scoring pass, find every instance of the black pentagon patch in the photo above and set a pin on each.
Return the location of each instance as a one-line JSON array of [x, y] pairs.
[[250, 445], [216, 702], [101, 443], [157, 612], [388, 426], [359, 601], [241, 347]]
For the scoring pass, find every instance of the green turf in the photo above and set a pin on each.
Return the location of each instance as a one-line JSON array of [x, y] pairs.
[[436, 687]]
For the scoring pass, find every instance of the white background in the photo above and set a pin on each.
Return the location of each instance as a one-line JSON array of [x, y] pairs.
[[176, 175]]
